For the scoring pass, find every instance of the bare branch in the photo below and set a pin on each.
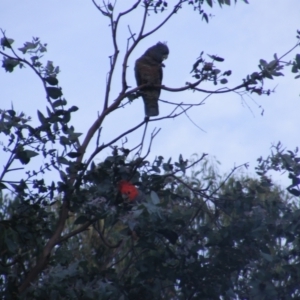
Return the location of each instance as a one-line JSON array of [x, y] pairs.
[[44, 257], [143, 138], [131, 37], [99, 149], [129, 51], [227, 177], [9, 161], [122, 258], [285, 54], [153, 135], [114, 26], [138, 153], [174, 11], [128, 10], [106, 243], [143, 23], [98, 137], [76, 231], [193, 122], [33, 68], [105, 13]]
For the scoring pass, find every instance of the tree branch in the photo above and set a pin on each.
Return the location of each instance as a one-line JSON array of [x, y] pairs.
[[76, 231], [99, 149], [174, 11], [126, 57], [106, 243], [44, 257]]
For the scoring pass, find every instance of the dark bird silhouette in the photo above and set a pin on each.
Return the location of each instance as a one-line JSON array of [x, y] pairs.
[[148, 70]]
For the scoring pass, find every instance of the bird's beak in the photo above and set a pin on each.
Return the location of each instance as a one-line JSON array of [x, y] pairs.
[[165, 56]]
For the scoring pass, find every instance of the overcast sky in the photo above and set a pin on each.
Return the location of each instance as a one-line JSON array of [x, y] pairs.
[[233, 129]]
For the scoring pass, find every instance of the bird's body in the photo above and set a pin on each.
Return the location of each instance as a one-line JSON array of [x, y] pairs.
[[148, 70]]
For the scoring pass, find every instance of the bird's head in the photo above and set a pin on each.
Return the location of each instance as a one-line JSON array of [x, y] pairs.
[[158, 52]]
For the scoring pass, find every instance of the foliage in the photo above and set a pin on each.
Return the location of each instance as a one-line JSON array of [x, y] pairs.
[[182, 240], [129, 228]]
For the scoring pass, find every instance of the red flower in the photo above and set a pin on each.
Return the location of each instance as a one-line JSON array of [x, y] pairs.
[[128, 189]]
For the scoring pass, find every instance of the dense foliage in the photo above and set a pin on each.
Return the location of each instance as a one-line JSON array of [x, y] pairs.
[[195, 237], [128, 228]]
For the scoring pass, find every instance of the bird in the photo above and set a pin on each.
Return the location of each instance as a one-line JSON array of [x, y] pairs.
[[148, 70], [130, 193], [128, 189]]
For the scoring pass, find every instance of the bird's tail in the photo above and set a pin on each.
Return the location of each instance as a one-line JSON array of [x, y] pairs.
[[151, 105], [151, 109]]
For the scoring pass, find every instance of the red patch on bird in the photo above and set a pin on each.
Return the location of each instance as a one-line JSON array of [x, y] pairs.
[[128, 189]]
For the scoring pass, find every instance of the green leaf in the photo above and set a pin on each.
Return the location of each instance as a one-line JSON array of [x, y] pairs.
[[167, 167], [28, 46], [231, 294], [51, 80], [81, 220], [267, 74], [59, 102], [73, 136], [66, 117], [9, 64], [49, 112], [73, 109], [49, 67], [136, 213], [227, 73], [2, 186], [64, 141], [156, 169], [210, 3], [294, 192], [274, 73], [54, 92], [263, 63], [41, 117], [11, 112], [154, 197], [170, 235], [216, 58], [63, 176], [110, 7], [267, 257], [205, 17], [11, 245], [31, 153], [74, 154], [297, 59], [6, 42], [63, 160], [294, 68], [272, 64], [22, 157]]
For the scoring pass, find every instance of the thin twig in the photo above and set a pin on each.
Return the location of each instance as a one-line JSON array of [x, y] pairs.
[[194, 122], [226, 178], [106, 243], [175, 9], [98, 136], [99, 149], [143, 138], [76, 231]]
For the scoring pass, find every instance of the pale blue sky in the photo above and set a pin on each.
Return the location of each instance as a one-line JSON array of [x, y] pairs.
[[79, 41]]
